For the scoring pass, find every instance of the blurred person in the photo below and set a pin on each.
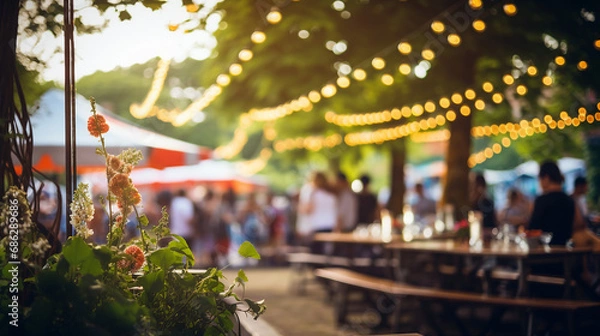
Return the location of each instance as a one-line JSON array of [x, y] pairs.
[[291, 212], [181, 214], [321, 205], [423, 206], [481, 201], [253, 221], [303, 219], [517, 210], [99, 222], [368, 206], [347, 205], [224, 222], [204, 211], [579, 195], [321, 208], [553, 210], [276, 221]]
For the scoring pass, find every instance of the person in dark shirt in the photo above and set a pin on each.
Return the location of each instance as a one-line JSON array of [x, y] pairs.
[[368, 207], [553, 210], [480, 201]]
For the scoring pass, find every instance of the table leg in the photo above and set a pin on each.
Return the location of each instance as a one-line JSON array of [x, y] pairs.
[[398, 274], [568, 276], [523, 270]]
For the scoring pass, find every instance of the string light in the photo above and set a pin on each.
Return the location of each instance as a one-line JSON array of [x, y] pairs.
[[404, 48], [387, 79], [488, 87], [143, 110], [454, 40], [428, 54], [313, 143], [378, 63], [521, 130], [404, 69], [508, 79], [521, 89], [343, 82], [251, 167], [235, 69], [582, 65], [475, 4], [328, 91], [359, 74], [510, 9], [274, 16], [438, 27], [223, 80], [547, 80], [245, 55], [456, 98], [478, 25], [532, 70], [258, 37], [559, 60]]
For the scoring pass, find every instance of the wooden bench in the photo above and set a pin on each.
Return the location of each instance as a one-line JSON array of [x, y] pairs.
[[303, 263], [348, 279]]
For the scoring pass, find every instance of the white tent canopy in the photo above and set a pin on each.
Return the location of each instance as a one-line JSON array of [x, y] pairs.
[[49, 133]]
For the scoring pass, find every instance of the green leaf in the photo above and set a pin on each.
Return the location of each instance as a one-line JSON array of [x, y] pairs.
[[247, 250], [152, 282], [103, 254], [180, 245], [124, 15], [257, 307], [242, 276], [165, 258], [144, 220], [79, 254]]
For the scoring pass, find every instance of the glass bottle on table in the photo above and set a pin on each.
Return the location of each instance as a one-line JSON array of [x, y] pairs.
[[475, 230]]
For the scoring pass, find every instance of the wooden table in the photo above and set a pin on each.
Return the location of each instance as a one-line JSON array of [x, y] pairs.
[[524, 257]]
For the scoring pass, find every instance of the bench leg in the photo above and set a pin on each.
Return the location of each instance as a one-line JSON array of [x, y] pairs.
[[340, 303], [299, 272], [571, 323], [429, 317], [497, 314], [530, 323]]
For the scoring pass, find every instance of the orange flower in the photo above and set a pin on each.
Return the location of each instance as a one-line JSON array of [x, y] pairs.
[[97, 125], [138, 258], [118, 184], [114, 162]]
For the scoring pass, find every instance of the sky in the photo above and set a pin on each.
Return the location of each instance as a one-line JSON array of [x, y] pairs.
[[124, 43]]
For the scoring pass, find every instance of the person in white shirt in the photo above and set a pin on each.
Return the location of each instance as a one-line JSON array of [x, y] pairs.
[[181, 213], [320, 210], [321, 206]]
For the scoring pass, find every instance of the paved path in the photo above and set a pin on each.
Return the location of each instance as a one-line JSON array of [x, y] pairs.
[[287, 313]]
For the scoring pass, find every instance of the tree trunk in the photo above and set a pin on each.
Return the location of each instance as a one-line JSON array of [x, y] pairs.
[[397, 183], [456, 186]]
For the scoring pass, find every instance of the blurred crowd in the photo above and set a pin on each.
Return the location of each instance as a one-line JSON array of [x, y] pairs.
[[215, 221]]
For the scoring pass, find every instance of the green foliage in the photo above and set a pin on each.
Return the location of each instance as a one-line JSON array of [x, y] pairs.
[[247, 250]]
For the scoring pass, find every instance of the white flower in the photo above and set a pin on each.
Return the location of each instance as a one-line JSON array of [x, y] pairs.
[[82, 211]]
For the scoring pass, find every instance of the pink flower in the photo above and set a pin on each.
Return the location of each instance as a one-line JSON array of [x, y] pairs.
[[138, 259]]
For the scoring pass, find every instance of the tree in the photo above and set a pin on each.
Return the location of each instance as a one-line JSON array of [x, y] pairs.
[[512, 40]]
